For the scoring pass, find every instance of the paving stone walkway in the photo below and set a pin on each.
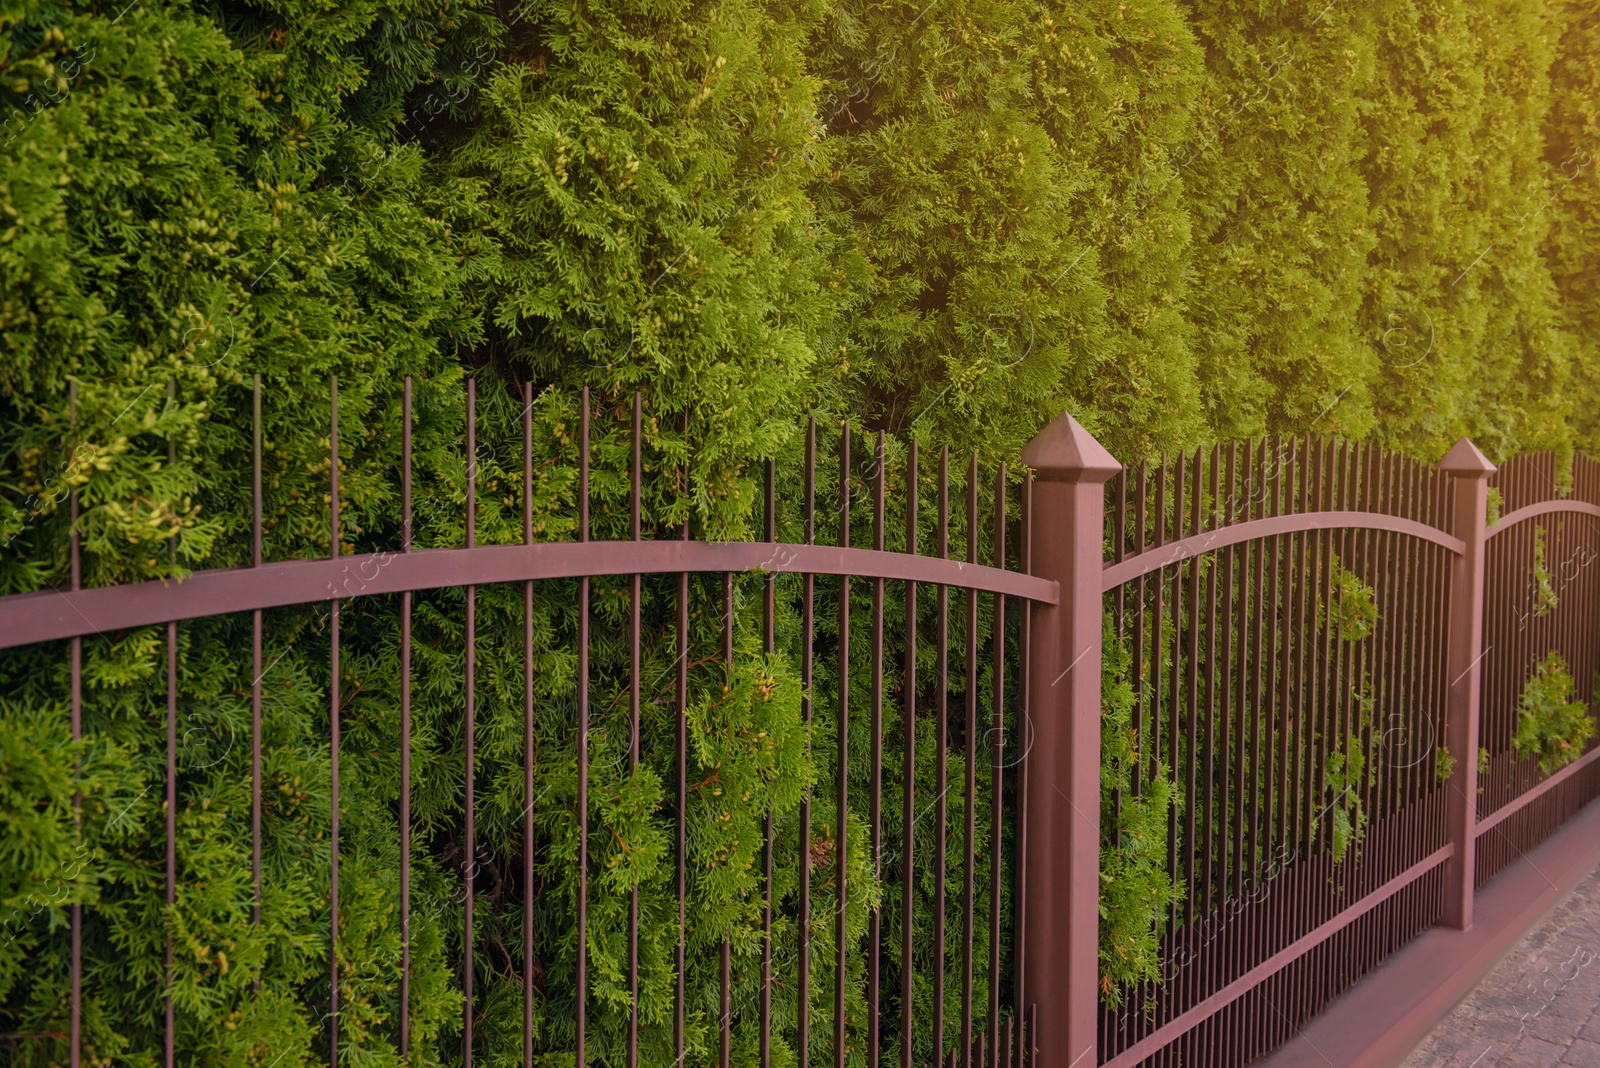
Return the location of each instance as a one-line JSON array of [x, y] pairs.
[[1539, 1007]]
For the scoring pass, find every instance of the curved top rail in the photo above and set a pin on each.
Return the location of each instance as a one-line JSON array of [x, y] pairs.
[[1542, 508], [37, 617], [1115, 574]]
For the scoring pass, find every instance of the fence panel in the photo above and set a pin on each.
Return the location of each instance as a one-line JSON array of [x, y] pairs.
[[1543, 597], [629, 800], [1279, 608]]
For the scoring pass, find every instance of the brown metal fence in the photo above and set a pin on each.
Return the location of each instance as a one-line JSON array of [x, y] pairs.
[[1307, 622], [941, 691], [1285, 604], [1302, 625], [1543, 595]]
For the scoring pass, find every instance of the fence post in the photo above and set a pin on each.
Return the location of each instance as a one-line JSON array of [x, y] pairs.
[[1062, 880], [1469, 471]]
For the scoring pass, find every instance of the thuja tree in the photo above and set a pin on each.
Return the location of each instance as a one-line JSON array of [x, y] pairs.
[[635, 192], [992, 262], [186, 210], [1571, 152], [1280, 217], [1462, 300], [1422, 312], [1523, 355], [946, 220]]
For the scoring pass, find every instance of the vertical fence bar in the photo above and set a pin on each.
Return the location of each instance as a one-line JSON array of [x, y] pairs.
[[1383, 646], [875, 921], [581, 999], [940, 761], [1187, 523], [1234, 581], [807, 633], [1022, 1003], [170, 1036], [1367, 552], [1064, 774], [727, 945], [1119, 610], [680, 993], [841, 812], [255, 661], [635, 479], [1191, 697], [527, 735], [1251, 678], [1214, 870], [1141, 499], [470, 870], [1276, 652], [1351, 555], [75, 562], [333, 730], [1305, 733], [1238, 569], [1468, 471], [1322, 606], [997, 726], [1158, 531], [769, 618], [908, 774], [1419, 759], [1179, 719], [1295, 686], [405, 731], [969, 873]]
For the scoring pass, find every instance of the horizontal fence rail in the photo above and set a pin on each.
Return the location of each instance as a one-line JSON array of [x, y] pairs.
[[27, 619]]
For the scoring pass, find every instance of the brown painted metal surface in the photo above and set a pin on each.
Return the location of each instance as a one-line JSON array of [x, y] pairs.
[[1468, 470], [1382, 1019], [1549, 526], [1064, 760], [28, 618], [75, 670], [1272, 526], [1569, 775], [1533, 511]]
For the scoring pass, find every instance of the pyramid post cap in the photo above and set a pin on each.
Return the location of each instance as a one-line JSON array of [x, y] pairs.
[[1465, 461], [1065, 452]]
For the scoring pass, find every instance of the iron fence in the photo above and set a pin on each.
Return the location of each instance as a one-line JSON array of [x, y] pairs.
[[1541, 597], [1298, 629], [907, 676], [1286, 607]]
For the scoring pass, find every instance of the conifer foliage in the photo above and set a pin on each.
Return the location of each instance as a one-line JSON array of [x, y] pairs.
[[948, 220]]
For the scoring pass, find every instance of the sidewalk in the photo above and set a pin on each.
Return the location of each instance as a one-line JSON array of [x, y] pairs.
[[1539, 1007]]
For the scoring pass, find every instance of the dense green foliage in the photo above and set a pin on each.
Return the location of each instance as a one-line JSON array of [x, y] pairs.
[[945, 219], [1137, 893], [1550, 724]]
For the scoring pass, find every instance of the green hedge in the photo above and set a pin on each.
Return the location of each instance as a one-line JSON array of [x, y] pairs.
[[946, 220]]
